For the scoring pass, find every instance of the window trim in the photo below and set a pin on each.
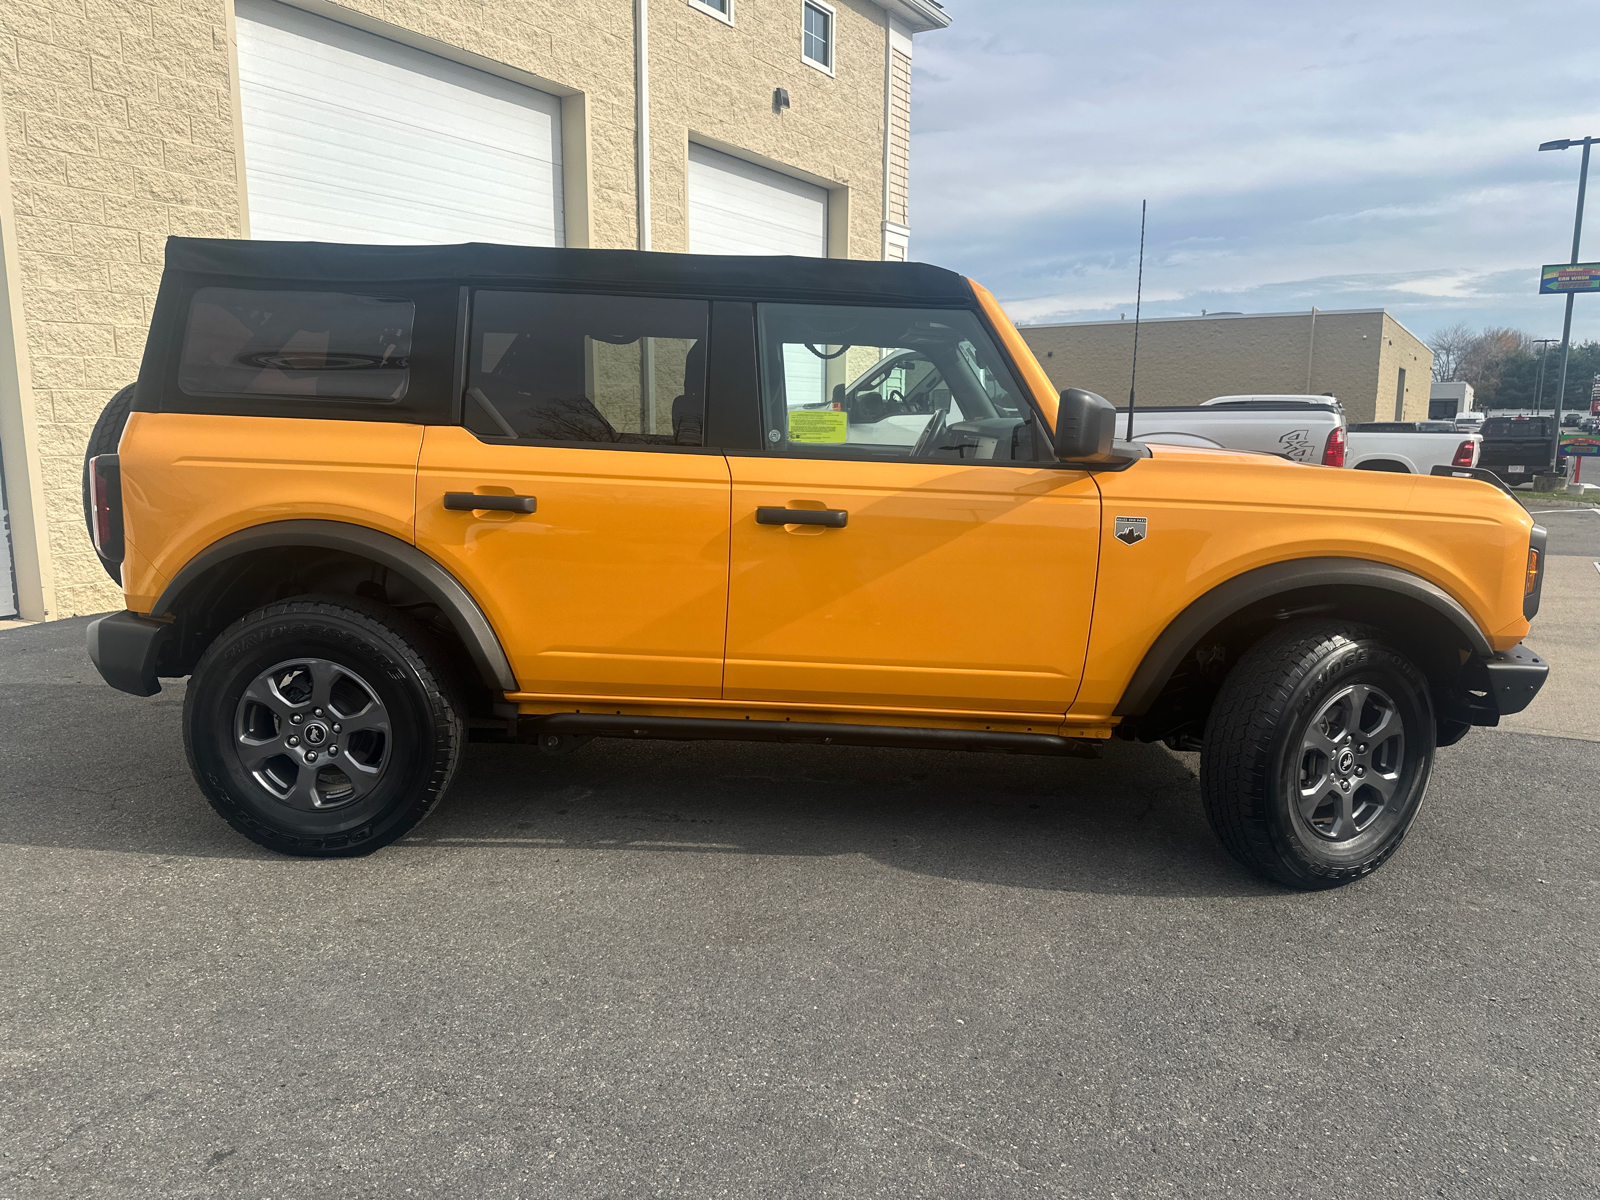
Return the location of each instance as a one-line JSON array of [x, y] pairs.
[[832, 14], [725, 17]]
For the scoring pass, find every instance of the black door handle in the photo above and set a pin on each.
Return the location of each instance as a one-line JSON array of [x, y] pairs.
[[467, 501], [833, 518]]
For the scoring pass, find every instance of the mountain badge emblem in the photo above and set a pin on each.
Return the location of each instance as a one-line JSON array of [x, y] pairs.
[[1129, 531]]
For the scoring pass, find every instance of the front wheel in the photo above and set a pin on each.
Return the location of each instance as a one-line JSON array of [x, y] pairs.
[[1317, 753], [321, 728]]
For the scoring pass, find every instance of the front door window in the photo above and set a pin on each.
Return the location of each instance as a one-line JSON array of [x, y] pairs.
[[887, 383]]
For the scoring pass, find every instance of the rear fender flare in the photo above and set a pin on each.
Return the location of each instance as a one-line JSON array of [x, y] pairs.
[[441, 587], [1253, 587]]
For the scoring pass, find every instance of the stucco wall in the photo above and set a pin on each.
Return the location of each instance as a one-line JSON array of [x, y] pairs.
[[1354, 355], [119, 118], [119, 127]]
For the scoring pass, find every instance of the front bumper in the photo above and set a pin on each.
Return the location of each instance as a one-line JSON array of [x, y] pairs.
[[1504, 683], [125, 647]]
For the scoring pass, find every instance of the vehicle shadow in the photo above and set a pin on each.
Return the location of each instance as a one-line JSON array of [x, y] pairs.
[[85, 767], [1128, 823]]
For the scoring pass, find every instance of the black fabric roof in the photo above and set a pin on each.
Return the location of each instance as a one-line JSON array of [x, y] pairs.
[[610, 270]]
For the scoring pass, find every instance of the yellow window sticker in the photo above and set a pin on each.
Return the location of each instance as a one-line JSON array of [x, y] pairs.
[[811, 425]]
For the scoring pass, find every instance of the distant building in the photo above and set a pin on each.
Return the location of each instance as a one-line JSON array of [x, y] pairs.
[[1445, 400], [1379, 369]]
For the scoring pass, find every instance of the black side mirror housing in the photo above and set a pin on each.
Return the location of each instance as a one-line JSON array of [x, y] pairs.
[[1085, 427]]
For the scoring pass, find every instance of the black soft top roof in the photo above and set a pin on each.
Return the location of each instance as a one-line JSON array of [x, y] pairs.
[[848, 280]]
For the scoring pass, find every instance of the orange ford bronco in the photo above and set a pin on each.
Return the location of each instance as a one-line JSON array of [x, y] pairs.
[[375, 499]]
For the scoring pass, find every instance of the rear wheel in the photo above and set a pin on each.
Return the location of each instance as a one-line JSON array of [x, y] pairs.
[[1317, 753], [321, 727]]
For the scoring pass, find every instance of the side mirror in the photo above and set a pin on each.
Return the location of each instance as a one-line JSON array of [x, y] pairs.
[[1085, 427]]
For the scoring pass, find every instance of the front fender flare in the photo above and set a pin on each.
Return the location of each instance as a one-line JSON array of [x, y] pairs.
[[1263, 583], [441, 587]]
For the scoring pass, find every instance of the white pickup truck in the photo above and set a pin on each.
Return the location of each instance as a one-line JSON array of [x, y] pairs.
[[1410, 447], [1307, 429]]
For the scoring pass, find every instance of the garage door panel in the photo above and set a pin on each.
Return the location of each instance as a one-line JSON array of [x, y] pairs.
[[737, 207], [349, 136]]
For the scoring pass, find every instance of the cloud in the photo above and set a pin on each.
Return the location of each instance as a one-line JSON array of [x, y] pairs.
[[1356, 155]]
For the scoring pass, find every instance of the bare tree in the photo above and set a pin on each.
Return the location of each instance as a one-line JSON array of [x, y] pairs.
[[1449, 346]]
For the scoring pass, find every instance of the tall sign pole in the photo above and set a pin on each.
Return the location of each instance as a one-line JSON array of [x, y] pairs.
[[1566, 325]]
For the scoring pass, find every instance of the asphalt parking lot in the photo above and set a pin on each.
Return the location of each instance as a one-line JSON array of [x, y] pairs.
[[734, 970]]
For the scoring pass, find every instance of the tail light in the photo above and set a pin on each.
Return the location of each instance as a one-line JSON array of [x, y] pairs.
[[1333, 452], [1465, 453], [105, 502]]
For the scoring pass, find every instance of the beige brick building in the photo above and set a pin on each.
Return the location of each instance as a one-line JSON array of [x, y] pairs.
[[776, 126], [1379, 369]]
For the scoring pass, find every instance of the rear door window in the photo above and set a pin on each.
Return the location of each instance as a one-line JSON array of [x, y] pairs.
[[588, 370], [327, 345]]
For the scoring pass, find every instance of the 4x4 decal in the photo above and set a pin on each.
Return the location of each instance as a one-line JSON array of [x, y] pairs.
[[1297, 444], [1129, 530]]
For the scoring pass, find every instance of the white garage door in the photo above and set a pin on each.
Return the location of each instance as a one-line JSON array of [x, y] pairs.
[[351, 137], [736, 207]]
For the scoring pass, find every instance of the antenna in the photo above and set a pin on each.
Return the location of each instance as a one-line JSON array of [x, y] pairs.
[[1138, 300]]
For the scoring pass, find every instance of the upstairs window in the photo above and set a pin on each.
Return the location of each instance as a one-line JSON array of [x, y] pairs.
[[328, 345], [721, 9], [816, 35]]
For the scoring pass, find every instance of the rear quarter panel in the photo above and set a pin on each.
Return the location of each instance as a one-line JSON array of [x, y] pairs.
[[189, 480], [1213, 515]]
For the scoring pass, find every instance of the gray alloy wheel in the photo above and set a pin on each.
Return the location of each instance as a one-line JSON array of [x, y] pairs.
[[312, 734], [1317, 753], [1352, 761], [322, 726]]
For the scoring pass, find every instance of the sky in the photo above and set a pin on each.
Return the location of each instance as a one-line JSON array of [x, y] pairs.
[[1346, 155]]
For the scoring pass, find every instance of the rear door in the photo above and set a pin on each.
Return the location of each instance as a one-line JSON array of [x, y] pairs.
[[576, 501], [903, 553]]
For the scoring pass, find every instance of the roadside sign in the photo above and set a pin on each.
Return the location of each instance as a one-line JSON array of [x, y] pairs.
[[1580, 445], [1569, 277]]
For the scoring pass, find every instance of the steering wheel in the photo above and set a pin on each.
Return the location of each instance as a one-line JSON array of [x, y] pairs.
[[897, 399], [930, 433]]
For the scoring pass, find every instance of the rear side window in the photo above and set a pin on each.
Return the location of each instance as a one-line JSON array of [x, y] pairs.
[[325, 345], [595, 370]]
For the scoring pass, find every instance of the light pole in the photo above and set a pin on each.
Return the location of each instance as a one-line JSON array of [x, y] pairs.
[[1566, 326], [1538, 389]]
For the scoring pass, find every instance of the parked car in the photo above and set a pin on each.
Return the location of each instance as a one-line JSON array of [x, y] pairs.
[[1410, 447], [375, 499], [1517, 448], [1306, 429]]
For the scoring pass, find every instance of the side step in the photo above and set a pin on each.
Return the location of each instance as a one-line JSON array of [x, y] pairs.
[[560, 732]]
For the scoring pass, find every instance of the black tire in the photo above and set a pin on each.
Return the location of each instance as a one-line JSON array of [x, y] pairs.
[[1278, 789], [104, 439], [257, 686]]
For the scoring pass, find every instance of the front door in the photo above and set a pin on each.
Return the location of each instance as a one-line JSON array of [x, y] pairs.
[[901, 548], [575, 501]]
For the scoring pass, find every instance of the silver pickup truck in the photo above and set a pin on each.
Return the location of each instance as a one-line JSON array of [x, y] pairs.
[[1410, 447], [1307, 429]]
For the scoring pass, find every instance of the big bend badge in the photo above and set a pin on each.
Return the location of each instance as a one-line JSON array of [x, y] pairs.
[[1129, 531]]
